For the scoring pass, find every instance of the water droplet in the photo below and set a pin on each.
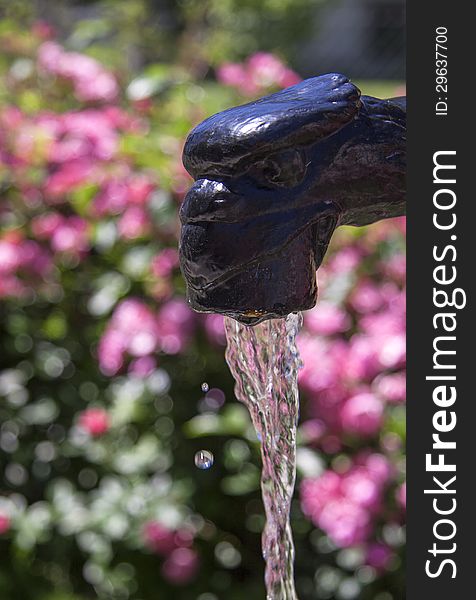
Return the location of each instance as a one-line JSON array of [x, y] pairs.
[[204, 459], [205, 387]]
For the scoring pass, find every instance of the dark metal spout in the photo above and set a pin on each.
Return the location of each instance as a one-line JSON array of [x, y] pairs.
[[273, 179]]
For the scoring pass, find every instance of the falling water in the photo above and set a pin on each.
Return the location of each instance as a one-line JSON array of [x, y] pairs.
[[264, 361]]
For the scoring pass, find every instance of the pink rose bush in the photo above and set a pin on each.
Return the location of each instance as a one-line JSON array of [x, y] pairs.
[[346, 505], [90, 81], [260, 73], [354, 352], [354, 382], [136, 331]]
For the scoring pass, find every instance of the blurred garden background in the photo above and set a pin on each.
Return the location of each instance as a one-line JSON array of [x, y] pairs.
[[102, 363]]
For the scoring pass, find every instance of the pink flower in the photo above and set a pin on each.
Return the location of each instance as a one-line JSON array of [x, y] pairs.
[[140, 187], [344, 520], [143, 366], [43, 29], [360, 487], [326, 405], [362, 362], [396, 267], [71, 236], [68, 178], [386, 322], [163, 540], [288, 77], [44, 226], [94, 421], [215, 330], [35, 260], [158, 538], [400, 223], [10, 256], [112, 199], [260, 72], [134, 223], [137, 323], [367, 297], [121, 119], [184, 537], [5, 523], [175, 323], [392, 350], [326, 319], [362, 414], [90, 80], [311, 431], [165, 262], [346, 505], [49, 56], [31, 143], [346, 523], [232, 74], [99, 86], [377, 465], [181, 180], [111, 349], [161, 289], [133, 330], [85, 134], [380, 344], [391, 388], [11, 117], [267, 70], [11, 287], [316, 493], [345, 260], [402, 495], [20, 258], [315, 352], [119, 193], [181, 566], [379, 556]]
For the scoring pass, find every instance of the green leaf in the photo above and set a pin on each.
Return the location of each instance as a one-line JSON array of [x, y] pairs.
[[81, 198], [243, 483], [233, 421], [55, 327]]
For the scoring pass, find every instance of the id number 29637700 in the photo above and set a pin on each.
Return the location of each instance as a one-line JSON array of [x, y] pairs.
[[441, 71]]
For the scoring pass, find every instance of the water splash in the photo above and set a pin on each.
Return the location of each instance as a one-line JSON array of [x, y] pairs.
[[204, 459], [264, 361]]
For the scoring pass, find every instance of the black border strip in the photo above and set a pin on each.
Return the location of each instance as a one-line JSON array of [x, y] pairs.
[[430, 132]]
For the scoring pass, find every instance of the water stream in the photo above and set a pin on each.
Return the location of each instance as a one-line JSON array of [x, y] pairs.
[[264, 361]]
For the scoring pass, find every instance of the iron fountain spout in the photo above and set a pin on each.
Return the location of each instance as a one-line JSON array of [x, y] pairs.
[[273, 179]]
